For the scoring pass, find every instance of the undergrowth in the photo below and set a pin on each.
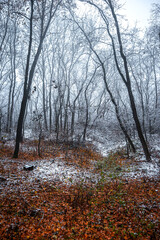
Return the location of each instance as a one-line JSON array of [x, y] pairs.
[[116, 209]]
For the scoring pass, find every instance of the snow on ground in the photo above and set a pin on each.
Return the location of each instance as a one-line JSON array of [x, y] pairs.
[[143, 169], [106, 142], [139, 168], [106, 148], [57, 170]]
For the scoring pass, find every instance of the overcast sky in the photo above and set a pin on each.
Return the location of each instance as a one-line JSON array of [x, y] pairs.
[[135, 11], [139, 10]]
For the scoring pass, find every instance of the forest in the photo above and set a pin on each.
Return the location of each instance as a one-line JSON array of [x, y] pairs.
[[79, 121]]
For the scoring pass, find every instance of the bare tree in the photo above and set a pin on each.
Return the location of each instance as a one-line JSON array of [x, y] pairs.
[[12, 76], [107, 86], [124, 73], [4, 19], [30, 69]]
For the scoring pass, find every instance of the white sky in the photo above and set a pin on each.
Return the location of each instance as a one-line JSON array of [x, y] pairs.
[[138, 10]]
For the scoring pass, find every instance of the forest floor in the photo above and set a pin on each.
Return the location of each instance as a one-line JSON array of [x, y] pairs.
[[74, 192]]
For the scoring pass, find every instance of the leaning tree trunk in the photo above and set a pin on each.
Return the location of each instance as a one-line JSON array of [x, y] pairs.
[[124, 130], [107, 87], [126, 79]]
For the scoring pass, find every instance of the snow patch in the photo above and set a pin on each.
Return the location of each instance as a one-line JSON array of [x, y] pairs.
[[57, 170], [144, 169]]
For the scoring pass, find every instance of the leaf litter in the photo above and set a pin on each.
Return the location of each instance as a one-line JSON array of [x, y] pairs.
[[76, 193]]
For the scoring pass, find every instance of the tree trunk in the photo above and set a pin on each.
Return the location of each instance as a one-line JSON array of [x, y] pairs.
[[72, 121], [25, 92], [127, 81], [125, 78], [44, 94], [20, 125], [138, 126], [28, 80]]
